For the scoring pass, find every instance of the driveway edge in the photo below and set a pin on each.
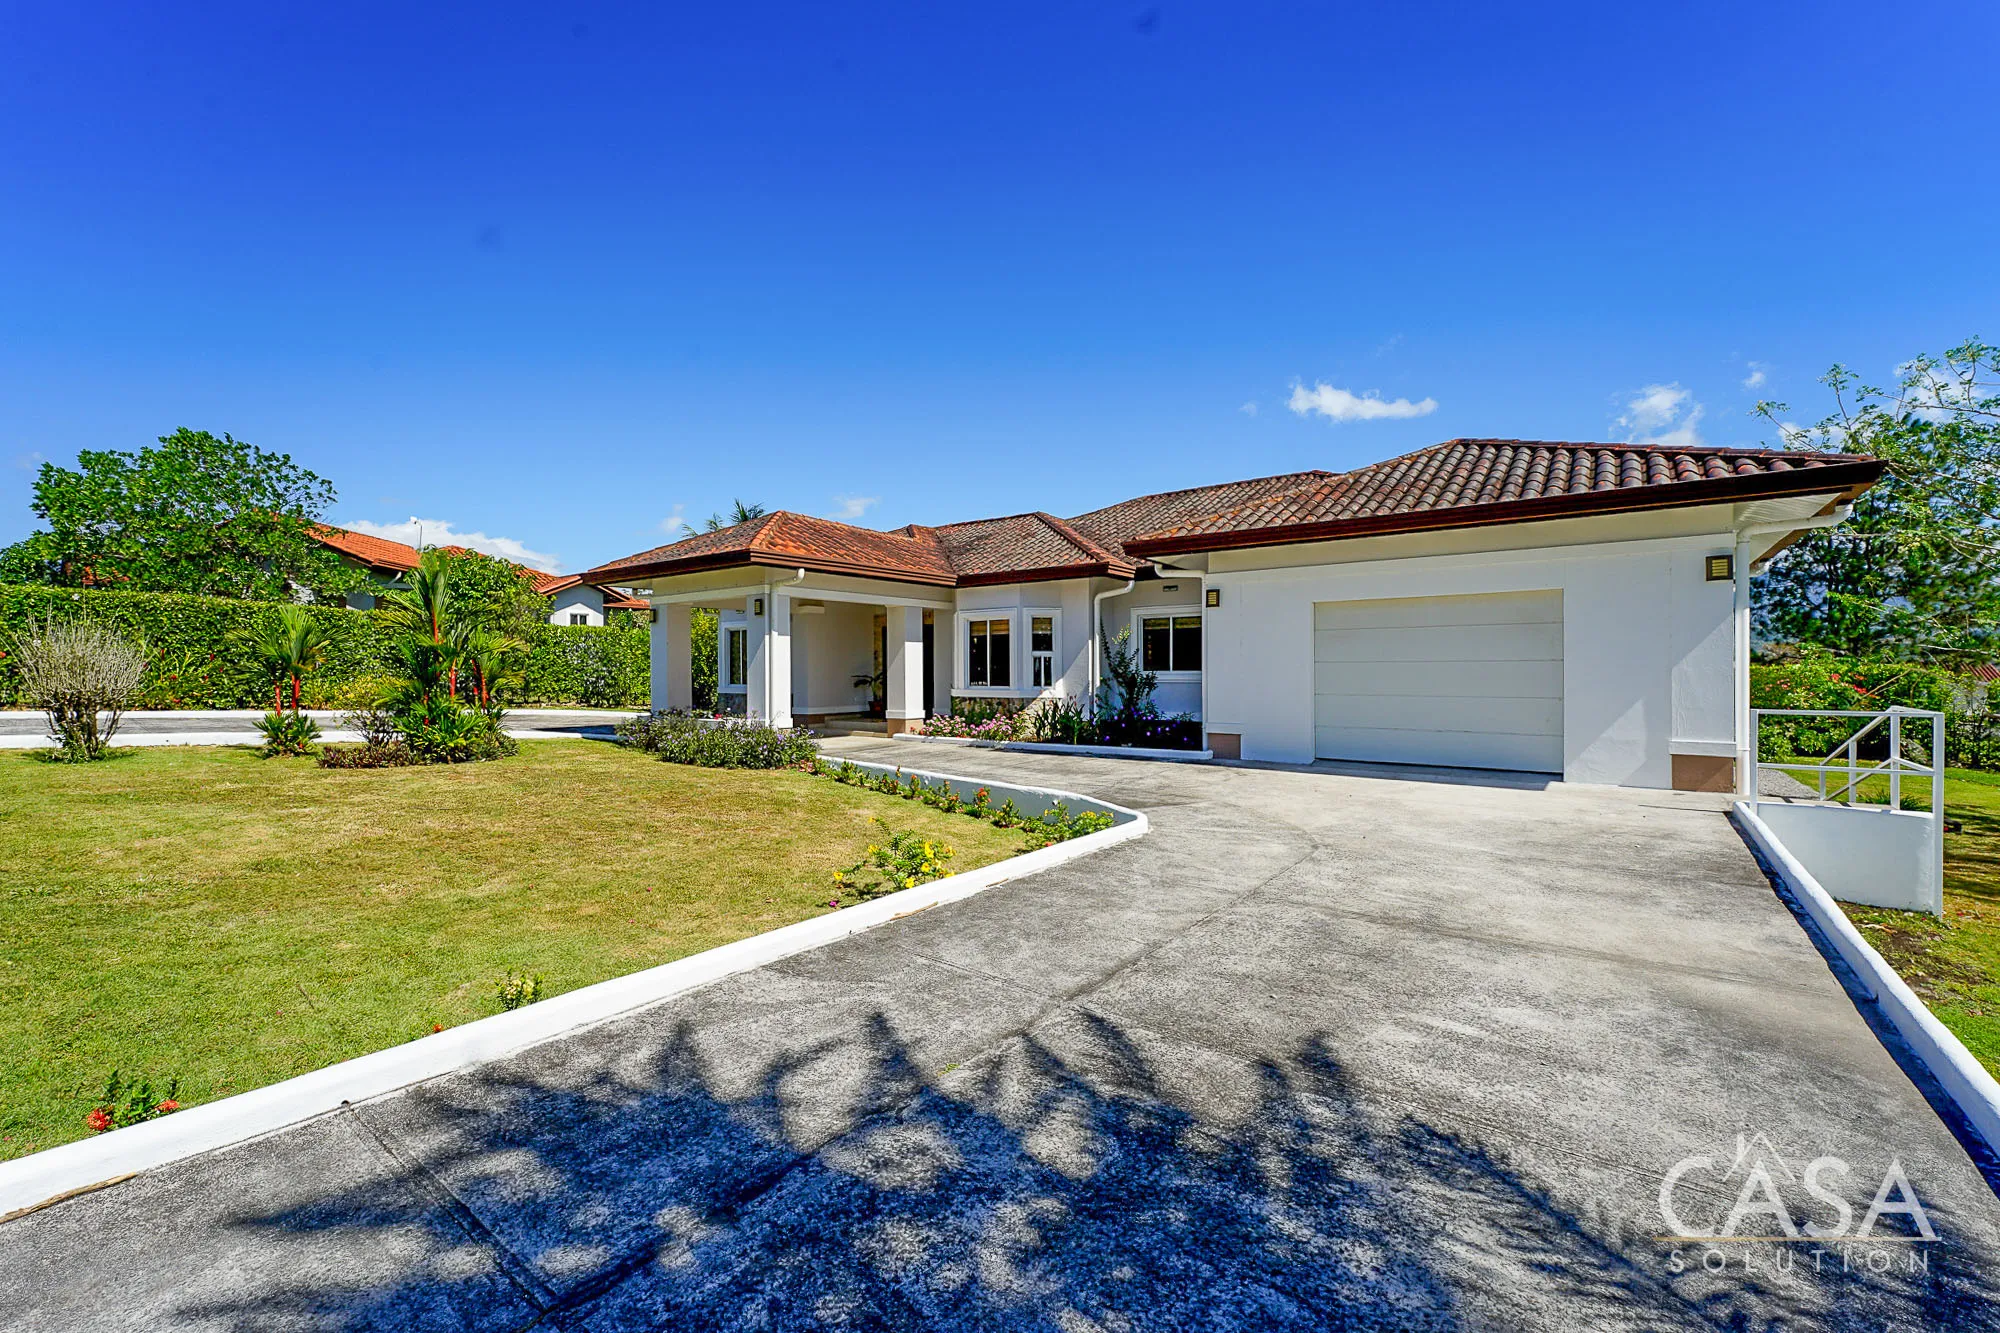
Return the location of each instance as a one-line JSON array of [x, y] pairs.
[[1959, 1075], [44, 1178]]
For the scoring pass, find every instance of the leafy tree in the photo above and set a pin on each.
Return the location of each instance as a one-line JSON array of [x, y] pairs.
[[1915, 573], [738, 513], [494, 594], [703, 626], [195, 514]]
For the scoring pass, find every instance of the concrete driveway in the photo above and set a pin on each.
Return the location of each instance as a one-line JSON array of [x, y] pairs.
[[1326, 1049]]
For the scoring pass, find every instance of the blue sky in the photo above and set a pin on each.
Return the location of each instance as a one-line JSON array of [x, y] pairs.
[[557, 274]]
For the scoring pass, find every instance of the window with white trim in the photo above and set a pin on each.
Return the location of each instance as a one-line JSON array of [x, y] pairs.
[[735, 656], [1041, 650], [579, 617], [989, 652], [1169, 640]]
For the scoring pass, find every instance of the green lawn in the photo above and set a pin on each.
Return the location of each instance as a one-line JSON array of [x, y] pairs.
[[1954, 963], [235, 921]]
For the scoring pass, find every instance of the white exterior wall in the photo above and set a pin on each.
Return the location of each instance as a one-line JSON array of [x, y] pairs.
[[1179, 692], [583, 599], [829, 648], [1647, 641], [1069, 598]]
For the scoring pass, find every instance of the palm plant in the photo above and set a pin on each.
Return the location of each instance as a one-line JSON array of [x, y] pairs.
[[286, 647], [427, 613], [494, 660]]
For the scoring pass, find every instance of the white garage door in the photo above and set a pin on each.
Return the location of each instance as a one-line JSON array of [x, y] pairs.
[[1473, 682]]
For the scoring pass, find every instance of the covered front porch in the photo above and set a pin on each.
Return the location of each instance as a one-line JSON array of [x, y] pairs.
[[838, 654]]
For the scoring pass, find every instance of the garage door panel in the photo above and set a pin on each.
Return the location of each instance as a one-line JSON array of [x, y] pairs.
[[1471, 681], [1451, 749], [1504, 680], [1505, 608], [1535, 717], [1440, 643]]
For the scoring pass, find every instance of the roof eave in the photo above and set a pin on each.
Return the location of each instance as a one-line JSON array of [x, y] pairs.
[[1848, 479], [703, 564]]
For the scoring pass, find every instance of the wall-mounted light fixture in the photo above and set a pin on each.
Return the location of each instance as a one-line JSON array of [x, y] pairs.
[[756, 606], [1215, 597], [1721, 568], [653, 616]]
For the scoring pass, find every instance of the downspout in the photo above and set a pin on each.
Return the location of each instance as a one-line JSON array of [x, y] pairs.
[[1097, 629], [770, 618], [1746, 539]]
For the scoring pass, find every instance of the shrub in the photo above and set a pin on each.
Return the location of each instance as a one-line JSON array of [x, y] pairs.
[[1820, 681], [981, 720], [288, 734], [131, 1103], [440, 732], [688, 738], [516, 990], [898, 861], [83, 676]]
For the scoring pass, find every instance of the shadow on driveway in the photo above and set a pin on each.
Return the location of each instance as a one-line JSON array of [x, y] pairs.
[[1054, 1183]]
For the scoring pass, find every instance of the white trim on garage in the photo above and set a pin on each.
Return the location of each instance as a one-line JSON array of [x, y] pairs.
[[1467, 681]]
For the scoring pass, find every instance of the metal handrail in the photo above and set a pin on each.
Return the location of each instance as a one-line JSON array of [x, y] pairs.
[[1894, 766]]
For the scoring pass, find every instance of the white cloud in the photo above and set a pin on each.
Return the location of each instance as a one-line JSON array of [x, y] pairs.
[[1248, 409], [1663, 414], [675, 521], [852, 507], [1755, 379], [439, 532], [1340, 405]]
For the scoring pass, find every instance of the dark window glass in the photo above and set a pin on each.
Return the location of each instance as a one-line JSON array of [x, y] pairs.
[[739, 650], [1042, 629], [1187, 643], [975, 653], [1156, 643], [1001, 667]]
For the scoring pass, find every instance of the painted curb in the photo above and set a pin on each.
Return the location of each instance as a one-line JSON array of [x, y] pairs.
[[1051, 747], [1963, 1078], [29, 1182]]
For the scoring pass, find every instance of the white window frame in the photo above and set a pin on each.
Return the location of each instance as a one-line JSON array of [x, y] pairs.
[[723, 683], [1140, 614], [1021, 657]]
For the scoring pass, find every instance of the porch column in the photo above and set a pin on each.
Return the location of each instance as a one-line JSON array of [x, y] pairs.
[[770, 686], [904, 666], [672, 656]]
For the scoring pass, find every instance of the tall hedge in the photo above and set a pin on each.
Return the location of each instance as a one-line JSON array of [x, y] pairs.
[[190, 663]]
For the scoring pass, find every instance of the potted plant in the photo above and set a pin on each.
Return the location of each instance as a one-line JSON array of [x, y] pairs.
[[877, 685]]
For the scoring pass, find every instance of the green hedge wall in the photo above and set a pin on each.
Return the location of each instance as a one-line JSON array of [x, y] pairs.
[[1972, 739], [190, 664]]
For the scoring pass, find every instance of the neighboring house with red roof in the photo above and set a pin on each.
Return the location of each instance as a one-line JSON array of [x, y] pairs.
[[1566, 608], [572, 600]]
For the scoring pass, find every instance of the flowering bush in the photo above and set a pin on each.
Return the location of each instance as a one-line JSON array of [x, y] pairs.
[[131, 1103], [981, 720], [516, 990], [898, 861], [689, 738], [1067, 722]]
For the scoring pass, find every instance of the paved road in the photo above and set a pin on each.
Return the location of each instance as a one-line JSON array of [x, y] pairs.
[[1325, 1049]]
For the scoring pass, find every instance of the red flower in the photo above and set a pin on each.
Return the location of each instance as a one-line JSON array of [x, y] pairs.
[[98, 1120], [168, 1105]]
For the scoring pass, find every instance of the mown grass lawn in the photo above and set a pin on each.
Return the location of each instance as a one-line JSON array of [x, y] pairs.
[[233, 921], [1953, 963]]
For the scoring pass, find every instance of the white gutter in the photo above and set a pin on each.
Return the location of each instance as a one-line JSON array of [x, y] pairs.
[[1097, 630], [1746, 538]]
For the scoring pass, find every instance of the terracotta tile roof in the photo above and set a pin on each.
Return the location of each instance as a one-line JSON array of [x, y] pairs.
[[1114, 525], [1471, 482], [1002, 550], [1460, 483], [787, 540], [375, 552]]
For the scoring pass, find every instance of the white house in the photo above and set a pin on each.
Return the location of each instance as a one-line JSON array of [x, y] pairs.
[[1576, 609], [571, 600]]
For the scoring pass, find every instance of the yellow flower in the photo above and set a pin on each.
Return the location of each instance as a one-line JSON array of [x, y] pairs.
[[910, 883], [872, 849], [837, 877]]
